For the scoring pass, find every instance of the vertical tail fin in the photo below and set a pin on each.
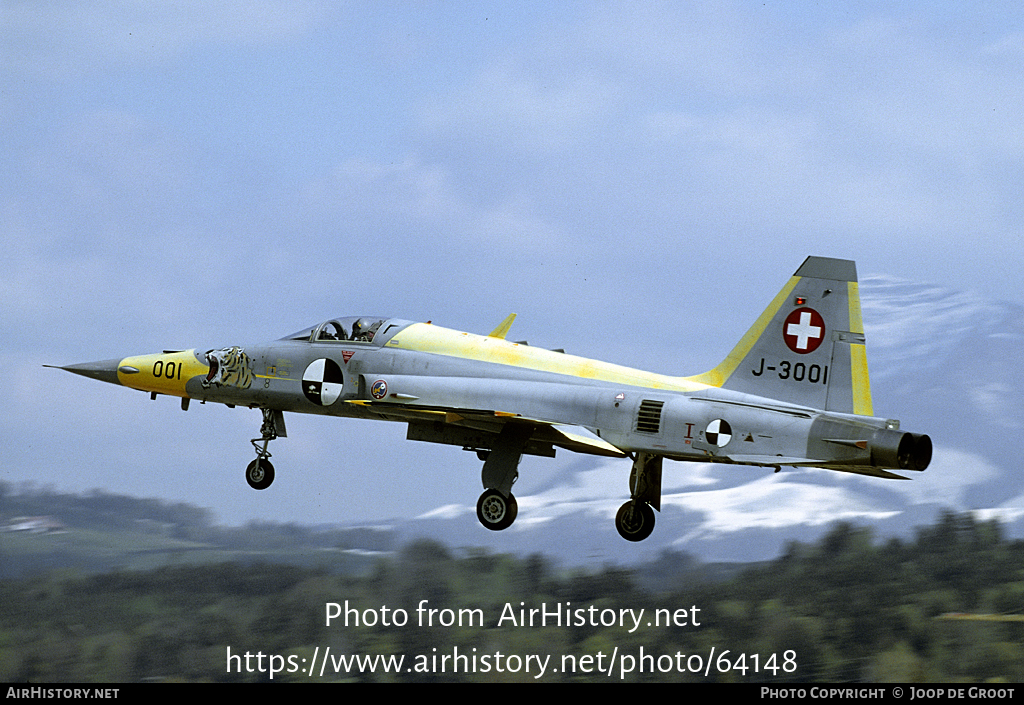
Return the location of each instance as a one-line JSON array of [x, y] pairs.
[[808, 346]]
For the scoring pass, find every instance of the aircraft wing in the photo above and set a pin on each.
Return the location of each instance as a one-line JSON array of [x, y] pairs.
[[491, 422], [578, 439]]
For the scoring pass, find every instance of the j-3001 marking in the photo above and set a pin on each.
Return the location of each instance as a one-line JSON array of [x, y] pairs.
[[799, 372]]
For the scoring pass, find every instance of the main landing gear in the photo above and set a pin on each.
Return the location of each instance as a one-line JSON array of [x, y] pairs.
[[260, 472], [497, 508], [635, 519], [496, 511]]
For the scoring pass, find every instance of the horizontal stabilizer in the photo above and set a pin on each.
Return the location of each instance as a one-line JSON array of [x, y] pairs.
[[769, 461]]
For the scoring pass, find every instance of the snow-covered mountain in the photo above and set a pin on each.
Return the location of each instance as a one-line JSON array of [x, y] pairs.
[[943, 362]]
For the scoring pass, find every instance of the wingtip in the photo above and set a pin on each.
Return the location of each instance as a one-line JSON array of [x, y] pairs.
[[502, 330]]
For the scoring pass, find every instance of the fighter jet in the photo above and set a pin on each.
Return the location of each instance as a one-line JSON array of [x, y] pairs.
[[793, 392]]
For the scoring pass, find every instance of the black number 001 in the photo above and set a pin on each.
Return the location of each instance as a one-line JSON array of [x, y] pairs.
[[170, 370]]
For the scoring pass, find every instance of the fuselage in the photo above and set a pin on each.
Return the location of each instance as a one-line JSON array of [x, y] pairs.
[[417, 372]]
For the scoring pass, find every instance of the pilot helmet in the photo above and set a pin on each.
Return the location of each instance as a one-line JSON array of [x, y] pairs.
[[360, 328]]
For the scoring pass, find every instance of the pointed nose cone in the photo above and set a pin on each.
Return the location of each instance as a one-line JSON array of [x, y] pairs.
[[104, 370]]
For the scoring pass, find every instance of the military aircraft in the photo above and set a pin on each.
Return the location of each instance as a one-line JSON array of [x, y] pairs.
[[794, 391]]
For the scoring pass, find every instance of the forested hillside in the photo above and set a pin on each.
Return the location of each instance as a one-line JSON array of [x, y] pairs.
[[844, 609]]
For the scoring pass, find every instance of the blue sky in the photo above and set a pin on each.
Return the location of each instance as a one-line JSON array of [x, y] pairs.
[[635, 180]]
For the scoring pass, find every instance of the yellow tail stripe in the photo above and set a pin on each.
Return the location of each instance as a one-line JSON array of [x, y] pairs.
[[862, 403], [856, 320], [861, 383]]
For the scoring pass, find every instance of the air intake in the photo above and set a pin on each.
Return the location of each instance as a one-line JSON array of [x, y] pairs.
[[648, 419]]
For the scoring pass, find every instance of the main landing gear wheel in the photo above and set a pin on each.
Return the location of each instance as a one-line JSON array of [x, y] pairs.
[[495, 511], [259, 474], [635, 520]]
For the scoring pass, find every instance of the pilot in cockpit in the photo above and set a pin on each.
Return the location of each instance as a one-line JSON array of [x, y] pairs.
[[363, 330], [337, 334]]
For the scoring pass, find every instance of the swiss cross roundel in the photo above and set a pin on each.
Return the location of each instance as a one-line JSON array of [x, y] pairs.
[[804, 330]]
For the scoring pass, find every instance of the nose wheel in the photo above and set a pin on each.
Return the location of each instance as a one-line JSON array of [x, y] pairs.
[[259, 474]]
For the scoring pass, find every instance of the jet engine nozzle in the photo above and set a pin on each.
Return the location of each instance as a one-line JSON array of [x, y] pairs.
[[900, 450]]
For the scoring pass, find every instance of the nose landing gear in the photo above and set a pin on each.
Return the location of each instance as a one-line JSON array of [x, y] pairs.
[[260, 472]]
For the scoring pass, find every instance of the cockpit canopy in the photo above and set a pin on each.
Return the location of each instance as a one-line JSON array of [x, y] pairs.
[[349, 329]]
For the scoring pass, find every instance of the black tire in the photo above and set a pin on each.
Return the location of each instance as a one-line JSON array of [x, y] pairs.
[[259, 474], [496, 511], [634, 522]]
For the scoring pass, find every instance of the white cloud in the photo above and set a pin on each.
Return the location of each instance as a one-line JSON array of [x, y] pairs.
[[946, 481], [994, 399], [426, 198], [448, 511], [506, 106], [764, 500], [775, 501]]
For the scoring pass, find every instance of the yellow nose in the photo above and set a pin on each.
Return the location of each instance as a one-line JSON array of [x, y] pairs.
[[164, 373]]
